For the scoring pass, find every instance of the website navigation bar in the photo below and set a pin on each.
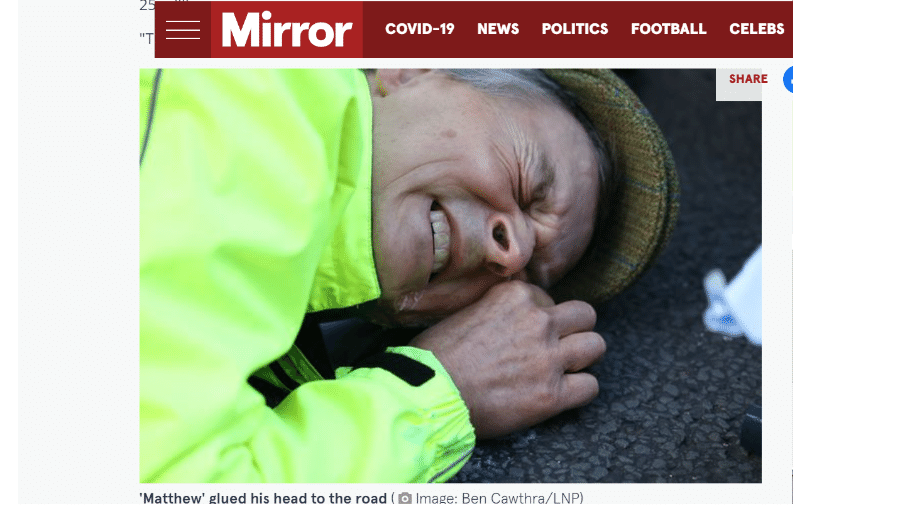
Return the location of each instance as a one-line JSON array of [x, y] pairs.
[[287, 29]]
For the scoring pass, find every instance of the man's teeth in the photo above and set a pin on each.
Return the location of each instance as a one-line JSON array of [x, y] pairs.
[[440, 227]]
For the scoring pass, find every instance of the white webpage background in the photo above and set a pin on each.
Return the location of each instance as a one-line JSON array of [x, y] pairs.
[[72, 206]]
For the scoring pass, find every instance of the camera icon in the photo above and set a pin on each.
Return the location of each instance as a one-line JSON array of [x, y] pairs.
[[404, 498]]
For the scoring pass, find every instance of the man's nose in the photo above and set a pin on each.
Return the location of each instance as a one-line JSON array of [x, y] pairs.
[[509, 245]]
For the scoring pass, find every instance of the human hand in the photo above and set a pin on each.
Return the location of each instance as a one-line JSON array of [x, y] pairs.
[[514, 355]]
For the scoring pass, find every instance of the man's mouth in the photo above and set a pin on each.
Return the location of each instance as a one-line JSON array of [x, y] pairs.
[[440, 229]]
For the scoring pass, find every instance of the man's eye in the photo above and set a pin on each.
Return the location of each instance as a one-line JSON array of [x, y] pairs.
[[537, 197]]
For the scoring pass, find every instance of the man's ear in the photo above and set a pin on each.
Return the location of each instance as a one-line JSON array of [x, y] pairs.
[[389, 80]]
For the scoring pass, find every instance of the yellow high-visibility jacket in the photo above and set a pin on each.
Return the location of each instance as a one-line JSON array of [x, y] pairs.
[[255, 208]]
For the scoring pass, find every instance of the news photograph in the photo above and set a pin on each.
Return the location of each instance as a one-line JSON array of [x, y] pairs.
[[449, 275]]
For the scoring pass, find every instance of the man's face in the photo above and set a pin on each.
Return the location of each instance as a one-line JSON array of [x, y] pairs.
[[470, 190]]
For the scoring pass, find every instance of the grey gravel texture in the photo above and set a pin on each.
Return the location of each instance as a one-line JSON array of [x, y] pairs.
[[672, 394]]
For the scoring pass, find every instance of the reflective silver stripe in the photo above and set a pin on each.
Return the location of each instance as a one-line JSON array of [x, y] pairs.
[[451, 466], [150, 113]]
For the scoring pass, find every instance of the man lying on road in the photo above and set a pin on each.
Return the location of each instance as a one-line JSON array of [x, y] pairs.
[[453, 198]]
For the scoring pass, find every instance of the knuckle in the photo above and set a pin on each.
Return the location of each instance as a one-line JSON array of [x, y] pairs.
[[591, 312], [539, 319], [593, 389], [587, 389], [514, 290], [546, 396], [601, 343], [519, 289], [587, 310]]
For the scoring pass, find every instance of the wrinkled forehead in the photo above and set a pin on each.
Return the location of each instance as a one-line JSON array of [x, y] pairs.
[[569, 154], [570, 163], [576, 195]]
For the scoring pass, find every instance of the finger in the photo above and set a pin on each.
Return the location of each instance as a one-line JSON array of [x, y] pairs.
[[573, 316], [578, 351], [578, 390]]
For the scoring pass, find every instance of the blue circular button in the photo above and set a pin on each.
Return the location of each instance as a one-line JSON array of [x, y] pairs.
[[789, 79]]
